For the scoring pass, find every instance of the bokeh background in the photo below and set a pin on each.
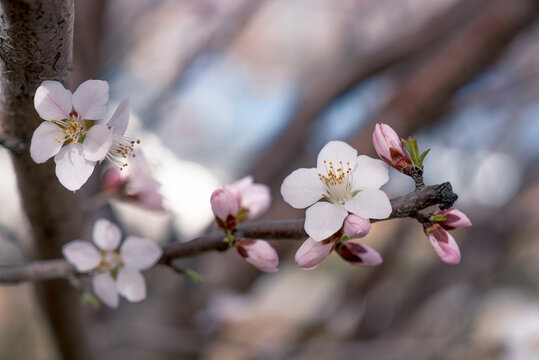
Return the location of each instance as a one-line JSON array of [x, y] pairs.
[[224, 88]]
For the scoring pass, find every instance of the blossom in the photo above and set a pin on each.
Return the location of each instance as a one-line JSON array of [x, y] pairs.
[[444, 244], [356, 226], [69, 132], [390, 148], [454, 219], [312, 253], [239, 201], [258, 253], [138, 186], [115, 271], [348, 183]]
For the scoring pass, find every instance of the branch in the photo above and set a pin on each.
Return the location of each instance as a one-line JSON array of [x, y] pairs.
[[12, 143], [405, 206]]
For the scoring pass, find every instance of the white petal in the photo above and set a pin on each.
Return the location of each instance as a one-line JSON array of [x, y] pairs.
[[90, 99], [106, 235], [370, 204], [370, 173], [324, 219], [120, 119], [302, 188], [72, 168], [130, 284], [140, 253], [52, 101], [82, 254], [105, 289], [44, 144], [336, 151], [97, 142], [243, 183]]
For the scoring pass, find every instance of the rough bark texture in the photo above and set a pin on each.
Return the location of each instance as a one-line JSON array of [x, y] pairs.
[[36, 44]]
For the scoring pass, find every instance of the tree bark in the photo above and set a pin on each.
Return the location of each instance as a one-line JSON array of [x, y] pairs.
[[36, 40]]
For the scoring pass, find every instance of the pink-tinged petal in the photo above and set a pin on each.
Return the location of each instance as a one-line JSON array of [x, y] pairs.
[[52, 101], [312, 253], [324, 219], [140, 253], [389, 147], [91, 98], [256, 199], [302, 188], [370, 204], [113, 181], [369, 174], [358, 254], [82, 254], [72, 168], [356, 227], [152, 200], [444, 244], [130, 284], [454, 219], [120, 119], [105, 289], [242, 184], [336, 152], [97, 142], [225, 203], [47, 141], [259, 253], [106, 235]]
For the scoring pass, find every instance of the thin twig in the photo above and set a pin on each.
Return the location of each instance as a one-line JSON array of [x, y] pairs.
[[404, 206]]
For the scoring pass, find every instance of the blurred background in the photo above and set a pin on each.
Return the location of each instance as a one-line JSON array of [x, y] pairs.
[[224, 88]]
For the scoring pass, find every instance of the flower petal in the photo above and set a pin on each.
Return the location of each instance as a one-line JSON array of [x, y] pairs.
[[256, 199], [90, 99], [97, 142], [52, 101], [82, 254], [359, 254], [105, 289], [445, 245], [44, 143], [120, 119], [312, 253], [140, 253], [370, 204], [370, 173], [324, 219], [356, 227], [259, 253], [336, 152], [130, 284], [106, 235], [72, 168], [302, 188]]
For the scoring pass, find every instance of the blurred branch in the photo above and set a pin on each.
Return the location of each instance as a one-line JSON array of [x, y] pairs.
[[405, 206], [12, 143], [325, 85]]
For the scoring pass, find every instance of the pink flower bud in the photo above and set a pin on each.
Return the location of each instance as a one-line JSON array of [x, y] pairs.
[[444, 244], [358, 254], [454, 219], [254, 198], [224, 203], [113, 181], [389, 147], [312, 253], [356, 227], [258, 253]]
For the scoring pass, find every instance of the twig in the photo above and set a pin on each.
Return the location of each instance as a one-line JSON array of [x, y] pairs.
[[404, 206]]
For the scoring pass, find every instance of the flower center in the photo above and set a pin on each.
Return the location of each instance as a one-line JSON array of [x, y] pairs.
[[338, 182], [73, 128], [110, 260], [122, 148]]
